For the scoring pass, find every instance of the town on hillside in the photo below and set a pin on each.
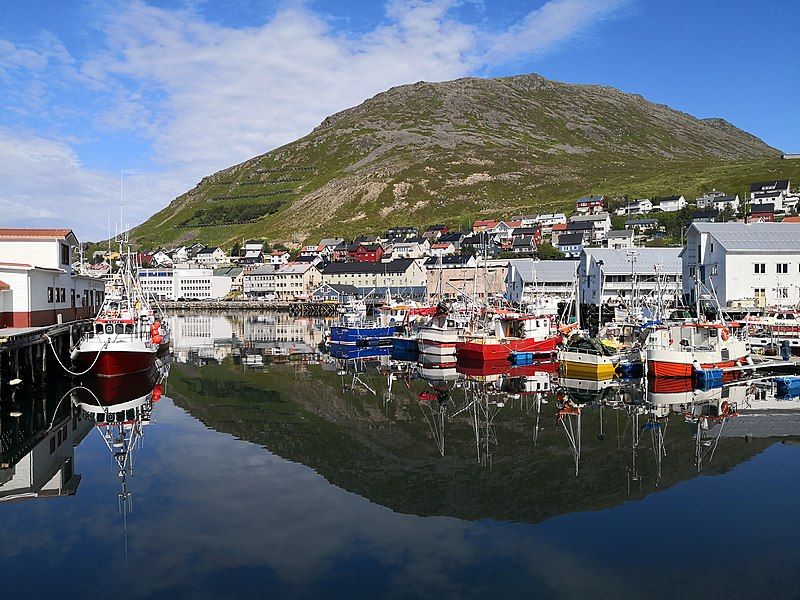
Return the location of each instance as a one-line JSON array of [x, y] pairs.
[[495, 260]]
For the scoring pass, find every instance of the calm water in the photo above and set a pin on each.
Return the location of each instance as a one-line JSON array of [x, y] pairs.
[[293, 480]]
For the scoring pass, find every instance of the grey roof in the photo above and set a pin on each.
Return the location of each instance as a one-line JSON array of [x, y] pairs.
[[601, 216], [295, 268], [399, 265], [766, 207], [233, 272], [641, 222], [570, 239], [325, 242], [753, 236], [264, 270], [209, 250], [627, 233], [590, 198], [341, 288], [545, 271], [449, 260], [668, 260]]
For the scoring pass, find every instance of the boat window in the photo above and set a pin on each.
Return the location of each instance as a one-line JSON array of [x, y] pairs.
[[128, 328], [119, 328], [98, 328], [109, 328]]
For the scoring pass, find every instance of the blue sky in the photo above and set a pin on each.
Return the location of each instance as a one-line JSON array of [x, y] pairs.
[[167, 92]]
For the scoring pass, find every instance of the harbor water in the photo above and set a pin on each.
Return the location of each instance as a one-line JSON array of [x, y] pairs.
[[250, 464]]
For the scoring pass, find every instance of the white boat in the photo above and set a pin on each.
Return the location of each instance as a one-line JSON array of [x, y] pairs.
[[678, 350]]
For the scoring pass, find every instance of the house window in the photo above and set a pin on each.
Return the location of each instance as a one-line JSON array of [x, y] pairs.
[[64, 254], [782, 293], [50, 294], [783, 267], [759, 268], [691, 271]]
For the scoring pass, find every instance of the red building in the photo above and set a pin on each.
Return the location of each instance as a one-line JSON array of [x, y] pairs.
[[590, 205], [365, 252]]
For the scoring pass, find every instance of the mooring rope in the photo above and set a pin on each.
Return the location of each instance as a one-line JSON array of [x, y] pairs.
[[58, 358]]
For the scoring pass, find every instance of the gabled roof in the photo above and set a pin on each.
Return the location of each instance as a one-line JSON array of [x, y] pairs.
[[233, 272], [525, 231], [294, 268], [25, 233], [672, 198], [452, 236], [601, 216], [208, 250], [545, 271], [627, 233], [489, 223], [570, 239], [523, 240], [264, 270], [366, 247], [641, 222], [587, 199], [766, 186], [667, 260], [753, 236], [560, 227], [453, 260], [343, 289], [761, 209]]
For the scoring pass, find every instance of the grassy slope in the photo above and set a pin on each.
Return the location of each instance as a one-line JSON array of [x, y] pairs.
[[472, 148]]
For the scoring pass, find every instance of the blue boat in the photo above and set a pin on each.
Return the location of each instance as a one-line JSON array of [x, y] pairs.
[[352, 335], [349, 351]]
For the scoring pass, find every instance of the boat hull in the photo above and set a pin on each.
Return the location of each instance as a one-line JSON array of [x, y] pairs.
[[676, 363], [495, 350], [354, 334], [115, 363]]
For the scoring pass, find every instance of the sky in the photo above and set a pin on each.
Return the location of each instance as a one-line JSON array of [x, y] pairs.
[[141, 99]]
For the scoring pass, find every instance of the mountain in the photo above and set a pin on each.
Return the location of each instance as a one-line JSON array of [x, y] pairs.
[[459, 150]]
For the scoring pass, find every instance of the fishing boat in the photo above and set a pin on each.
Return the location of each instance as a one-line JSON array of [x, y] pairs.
[[679, 350], [126, 335], [586, 358], [509, 333]]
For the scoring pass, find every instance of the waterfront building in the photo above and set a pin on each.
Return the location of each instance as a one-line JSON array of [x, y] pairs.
[[296, 280], [38, 285], [527, 279], [260, 283], [462, 276], [335, 292], [606, 274], [747, 264], [195, 283], [402, 276]]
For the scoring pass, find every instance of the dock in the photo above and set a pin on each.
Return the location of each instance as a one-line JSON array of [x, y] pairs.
[[308, 308], [24, 352]]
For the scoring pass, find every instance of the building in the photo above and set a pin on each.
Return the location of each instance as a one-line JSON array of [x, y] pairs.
[[406, 231], [335, 293], [668, 203], [235, 274], [762, 212], [260, 283], [453, 237], [185, 284], [38, 285], [529, 278], [571, 244], [210, 256], [414, 247], [485, 225], [770, 192], [606, 273], [443, 248], [600, 224], [590, 205], [365, 252], [464, 277], [642, 227], [719, 201], [326, 247], [296, 280], [404, 276], [748, 264], [708, 215], [547, 221], [279, 257], [523, 244], [635, 207], [619, 239]]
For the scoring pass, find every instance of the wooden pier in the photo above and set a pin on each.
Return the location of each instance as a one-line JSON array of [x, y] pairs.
[[27, 353]]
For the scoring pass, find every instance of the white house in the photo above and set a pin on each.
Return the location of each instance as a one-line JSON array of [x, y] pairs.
[[635, 207], [668, 204], [162, 259], [606, 273], [748, 264], [619, 239], [547, 221], [415, 247], [770, 192], [174, 284], [528, 278], [210, 256], [279, 257]]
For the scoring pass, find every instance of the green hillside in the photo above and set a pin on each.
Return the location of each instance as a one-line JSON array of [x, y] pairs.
[[460, 150]]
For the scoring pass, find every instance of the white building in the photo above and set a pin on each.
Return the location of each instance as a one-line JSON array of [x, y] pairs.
[[403, 276], [279, 257], [37, 283], [619, 239], [748, 264], [296, 280], [211, 256], [547, 221], [527, 279], [415, 247], [770, 192], [618, 274], [260, 283], [636, 207], [669, 204], [175, 284]]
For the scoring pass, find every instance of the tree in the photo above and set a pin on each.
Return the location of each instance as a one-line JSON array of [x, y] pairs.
[[266, 249], [726, 214], [548, 252], [236, 250], [468, 250]]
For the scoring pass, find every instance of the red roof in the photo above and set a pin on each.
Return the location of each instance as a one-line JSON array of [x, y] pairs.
[[29, 233], [4, 286], [560, 227], [791, 220], [489, 223]]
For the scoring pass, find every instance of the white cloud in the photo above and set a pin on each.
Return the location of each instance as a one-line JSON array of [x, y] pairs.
[[207, 96]]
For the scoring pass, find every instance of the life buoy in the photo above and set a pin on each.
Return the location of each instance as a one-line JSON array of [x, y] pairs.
[[157, 339], [726, 333], [725, 408]]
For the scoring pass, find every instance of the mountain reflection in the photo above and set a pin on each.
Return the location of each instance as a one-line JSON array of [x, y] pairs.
[[473, 442]]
